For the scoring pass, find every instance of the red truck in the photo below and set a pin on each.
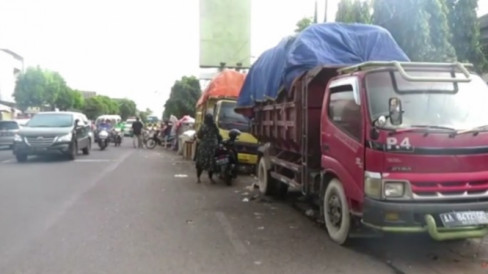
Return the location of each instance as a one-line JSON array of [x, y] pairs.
[[395, 146]]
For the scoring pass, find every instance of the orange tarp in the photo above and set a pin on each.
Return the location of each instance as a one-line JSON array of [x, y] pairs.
[[226, 84]]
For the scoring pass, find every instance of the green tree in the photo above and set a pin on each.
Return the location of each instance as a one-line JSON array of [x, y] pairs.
[[356, 11], [127, 108], [183, 97], [440, 33], [79, 100], [65, 99], [55, 86], [419, 27], [94, 107], [465, 31], [144, 114], [30, 88], [303, 24], [112, 105]]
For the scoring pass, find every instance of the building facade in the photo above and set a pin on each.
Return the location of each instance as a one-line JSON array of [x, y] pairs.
[[11, 65]]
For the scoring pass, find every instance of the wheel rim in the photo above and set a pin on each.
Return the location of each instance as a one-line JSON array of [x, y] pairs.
[[334, 210]]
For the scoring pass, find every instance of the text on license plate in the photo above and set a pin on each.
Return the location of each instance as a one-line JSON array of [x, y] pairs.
[[222, 161], [465, 218]]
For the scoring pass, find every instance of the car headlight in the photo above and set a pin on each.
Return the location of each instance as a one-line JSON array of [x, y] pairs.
[[394, 189], [372, 184], [65, 138], [18, 138]]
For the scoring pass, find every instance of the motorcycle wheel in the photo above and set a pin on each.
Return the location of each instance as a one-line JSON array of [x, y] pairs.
[[102, 145], [151, 143], [227, 176]]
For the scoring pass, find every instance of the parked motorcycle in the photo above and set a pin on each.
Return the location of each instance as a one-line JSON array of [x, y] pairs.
[[158, 140], [226, 158], [103, 139]]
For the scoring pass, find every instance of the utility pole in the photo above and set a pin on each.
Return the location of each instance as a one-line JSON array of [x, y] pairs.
[[325, 15], [316, 19]]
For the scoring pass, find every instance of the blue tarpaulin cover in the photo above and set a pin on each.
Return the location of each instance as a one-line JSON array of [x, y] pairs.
[[334, 44]]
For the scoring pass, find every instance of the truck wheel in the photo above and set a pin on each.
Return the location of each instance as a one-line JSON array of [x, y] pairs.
[[264, 178], [336, 212]]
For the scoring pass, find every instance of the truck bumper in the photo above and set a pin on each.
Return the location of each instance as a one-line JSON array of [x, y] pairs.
[[398, 217]]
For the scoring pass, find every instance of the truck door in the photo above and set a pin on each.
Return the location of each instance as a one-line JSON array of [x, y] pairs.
[[342, 135]]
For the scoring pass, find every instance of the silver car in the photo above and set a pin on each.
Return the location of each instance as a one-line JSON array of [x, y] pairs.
[[8, 129]]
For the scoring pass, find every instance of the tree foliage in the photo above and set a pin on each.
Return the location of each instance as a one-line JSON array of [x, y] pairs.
[[356, 11], [127, 108], [37, 87], [183, 98], [94, 107], [465, 30], [419, 26], [30, 88], [144, 114], [303, 24]]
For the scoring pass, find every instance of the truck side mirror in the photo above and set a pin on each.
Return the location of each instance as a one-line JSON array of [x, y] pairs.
[[396, 111]]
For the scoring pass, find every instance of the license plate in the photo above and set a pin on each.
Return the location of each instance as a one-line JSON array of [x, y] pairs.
[[222, 161], [466, 218]]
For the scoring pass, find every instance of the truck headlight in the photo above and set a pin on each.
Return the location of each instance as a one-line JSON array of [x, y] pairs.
[[394, 189], [372, 184], [65, 138], [18, 138]]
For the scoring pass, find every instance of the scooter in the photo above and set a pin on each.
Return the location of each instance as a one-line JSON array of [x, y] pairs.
[[117, 136], [103, 139], [226, 163]]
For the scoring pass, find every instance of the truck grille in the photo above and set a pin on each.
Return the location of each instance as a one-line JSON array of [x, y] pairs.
[[449, 190], [40, 141]]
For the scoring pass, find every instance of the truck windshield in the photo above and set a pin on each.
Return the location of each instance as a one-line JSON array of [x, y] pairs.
[[51, 120], [229, 119], [460, 106]]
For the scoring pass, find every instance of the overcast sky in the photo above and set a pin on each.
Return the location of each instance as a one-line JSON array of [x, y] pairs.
[[129, 48]]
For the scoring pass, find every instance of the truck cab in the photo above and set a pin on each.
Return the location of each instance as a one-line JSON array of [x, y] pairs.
[[408, 145]]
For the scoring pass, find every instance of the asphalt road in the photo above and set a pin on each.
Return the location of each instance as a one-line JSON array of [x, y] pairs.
[[139, 211]]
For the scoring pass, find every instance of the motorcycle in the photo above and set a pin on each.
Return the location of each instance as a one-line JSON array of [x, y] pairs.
[[226, 158], [117, 136], [157, 140], [103, 139]]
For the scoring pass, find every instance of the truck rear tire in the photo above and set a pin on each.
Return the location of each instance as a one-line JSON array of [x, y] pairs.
[[266, 182], [336, 212]]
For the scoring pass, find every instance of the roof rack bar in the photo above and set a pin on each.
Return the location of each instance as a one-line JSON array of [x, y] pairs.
[[400, 66], [411, 78]]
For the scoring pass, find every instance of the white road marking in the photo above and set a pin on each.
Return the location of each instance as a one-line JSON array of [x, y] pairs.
[[239, 246], [93, 160], [7, 161]]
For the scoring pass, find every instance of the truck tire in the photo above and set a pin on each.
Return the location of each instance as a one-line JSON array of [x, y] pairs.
[[265, 181], [336, 212]]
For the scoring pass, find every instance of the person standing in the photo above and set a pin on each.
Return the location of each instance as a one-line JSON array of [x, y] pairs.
[[137, 127], [209, 137]]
